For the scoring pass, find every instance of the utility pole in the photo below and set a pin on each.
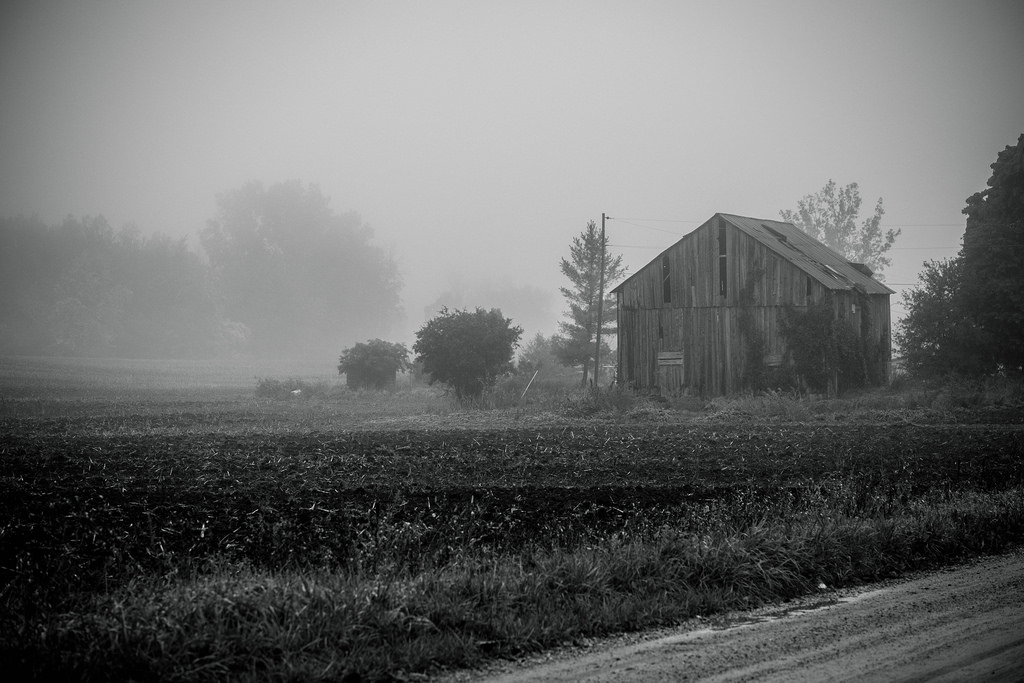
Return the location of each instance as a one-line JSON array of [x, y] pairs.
[[600, 312]]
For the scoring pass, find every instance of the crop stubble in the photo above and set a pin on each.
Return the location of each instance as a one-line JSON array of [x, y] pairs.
[[89, 502]]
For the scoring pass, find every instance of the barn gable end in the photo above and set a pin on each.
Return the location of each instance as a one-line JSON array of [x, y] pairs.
[[687, 318]]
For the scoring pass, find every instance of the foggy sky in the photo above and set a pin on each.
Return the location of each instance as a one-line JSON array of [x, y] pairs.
[[477, 138]]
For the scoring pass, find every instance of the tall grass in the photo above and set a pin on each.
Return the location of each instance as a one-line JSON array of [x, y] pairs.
[[287, 591], [240, 623]]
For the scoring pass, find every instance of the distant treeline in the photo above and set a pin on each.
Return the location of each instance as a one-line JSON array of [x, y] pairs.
[[280, 275]]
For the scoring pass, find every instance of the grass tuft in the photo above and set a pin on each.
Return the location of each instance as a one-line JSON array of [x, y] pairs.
[[157, 526], [316, 625]]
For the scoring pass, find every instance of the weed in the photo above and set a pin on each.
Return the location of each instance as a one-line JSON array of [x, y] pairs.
[[203, 534]]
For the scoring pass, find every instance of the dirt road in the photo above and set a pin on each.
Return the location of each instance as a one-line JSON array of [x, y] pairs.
[[960, 624]]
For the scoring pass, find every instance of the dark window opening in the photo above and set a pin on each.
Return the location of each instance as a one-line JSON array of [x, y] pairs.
[[809, 288], [666, 279], [722, 271]]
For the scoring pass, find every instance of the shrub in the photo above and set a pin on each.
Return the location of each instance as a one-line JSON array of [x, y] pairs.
[[373, 364], [467, 351], [603, 402], [289, 389]]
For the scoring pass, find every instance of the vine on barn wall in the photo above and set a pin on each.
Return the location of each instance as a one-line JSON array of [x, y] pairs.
[[874, 343], [754, 374], [821, 346]]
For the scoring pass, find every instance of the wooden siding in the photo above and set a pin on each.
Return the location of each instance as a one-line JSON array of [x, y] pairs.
[[694, 267], [703, 329]]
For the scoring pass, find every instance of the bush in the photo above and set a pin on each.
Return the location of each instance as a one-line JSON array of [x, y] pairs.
[[467, 351], [290, 389], [603, 402], [373, 364]]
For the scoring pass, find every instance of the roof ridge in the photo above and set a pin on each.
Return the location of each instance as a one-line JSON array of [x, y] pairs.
[[811, 254], [802, 250]]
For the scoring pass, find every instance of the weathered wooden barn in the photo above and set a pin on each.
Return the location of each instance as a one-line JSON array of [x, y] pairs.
[[685, 320]]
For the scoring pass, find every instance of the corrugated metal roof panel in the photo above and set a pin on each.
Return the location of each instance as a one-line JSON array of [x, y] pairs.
[[791, 243], [823, 264]]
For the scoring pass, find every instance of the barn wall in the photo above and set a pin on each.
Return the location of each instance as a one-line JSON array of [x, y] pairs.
[[694, 267], [704, 348], [693, 343]]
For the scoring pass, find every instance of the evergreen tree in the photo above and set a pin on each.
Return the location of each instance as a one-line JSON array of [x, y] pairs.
[[583, 268]]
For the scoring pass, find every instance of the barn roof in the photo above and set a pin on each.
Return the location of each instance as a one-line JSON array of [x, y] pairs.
[[808, 254]]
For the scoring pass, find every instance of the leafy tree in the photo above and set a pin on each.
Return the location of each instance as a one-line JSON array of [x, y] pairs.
[[172, 310], [467, 351], [27, 264], [295, 273], [967, 316], [87, 316], [993, 260], [583, 268], [80, 288], [530, 306], [830, 216], [535, 354], [936, 336], [373, 364], [540, 353]]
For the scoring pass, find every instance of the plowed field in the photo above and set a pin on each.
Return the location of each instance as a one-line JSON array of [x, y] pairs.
[[143, 498]]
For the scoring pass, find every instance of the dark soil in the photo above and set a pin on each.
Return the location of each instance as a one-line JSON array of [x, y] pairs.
[[79, 500]]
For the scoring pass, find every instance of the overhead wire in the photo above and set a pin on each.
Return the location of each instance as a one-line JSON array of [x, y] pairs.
[[918, 248], [631, 221], [652, 220], [922, 225], [647, 227], [885, 225], [636, 246]]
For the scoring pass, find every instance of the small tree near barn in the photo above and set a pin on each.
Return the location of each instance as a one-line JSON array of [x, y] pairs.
[[583, 268], [373, 364], [467, 351]]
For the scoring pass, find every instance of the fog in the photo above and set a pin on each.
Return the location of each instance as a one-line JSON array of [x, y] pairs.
[[475, 139]]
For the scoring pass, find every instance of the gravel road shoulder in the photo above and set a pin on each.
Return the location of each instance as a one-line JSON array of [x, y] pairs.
[[964, 622]]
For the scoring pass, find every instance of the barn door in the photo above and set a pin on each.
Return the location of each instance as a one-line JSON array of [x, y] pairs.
[[670, 372]]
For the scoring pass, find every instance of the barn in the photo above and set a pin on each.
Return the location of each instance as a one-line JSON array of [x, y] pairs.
[[699, 317]]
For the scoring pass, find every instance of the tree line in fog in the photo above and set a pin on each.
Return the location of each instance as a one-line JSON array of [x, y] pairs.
[[279, 274]]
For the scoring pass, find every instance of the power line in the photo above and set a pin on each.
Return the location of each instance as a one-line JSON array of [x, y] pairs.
[[919, 248], [644, 246], [648, 227], [962, 224], [921, 225], [947, 225], [636, 246], [883, 225], [652, 220]]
